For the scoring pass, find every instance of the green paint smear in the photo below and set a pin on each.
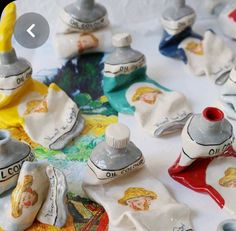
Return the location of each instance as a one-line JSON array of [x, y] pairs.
[[115, 88], [78, 150]]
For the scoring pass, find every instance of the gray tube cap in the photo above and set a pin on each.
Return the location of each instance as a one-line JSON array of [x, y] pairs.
[[86, 11], [176, 10], [10, 65]]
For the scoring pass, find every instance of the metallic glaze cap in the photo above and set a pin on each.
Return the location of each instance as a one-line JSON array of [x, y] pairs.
[[11, 150], [10, 65], [86, 11], [176, 10]]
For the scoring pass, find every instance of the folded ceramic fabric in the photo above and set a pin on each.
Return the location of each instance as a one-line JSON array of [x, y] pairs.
[[36, 184], [132, 197], [197, 52], [129, 90], [207, 160], [54, 210], [22, 207], [200, 57], [226, 13], [83, 27], [228, 96], [28, 103]]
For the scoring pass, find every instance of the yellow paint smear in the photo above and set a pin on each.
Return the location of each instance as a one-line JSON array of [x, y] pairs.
[[7, 25]]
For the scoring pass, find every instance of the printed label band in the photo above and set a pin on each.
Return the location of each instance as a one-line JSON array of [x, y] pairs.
[[84, 26], [11, 83], [115, 70], [14, 169], [109, 174]]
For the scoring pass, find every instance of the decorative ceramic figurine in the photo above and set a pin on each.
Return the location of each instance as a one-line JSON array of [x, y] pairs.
[[12, 156], [227, 225], [83, 27], [207, 160], [227, 96], [197, 52], [226, 13], [30, 104], [40, 192], [132, 197], [54, 210], [129, 90], [116, 156]]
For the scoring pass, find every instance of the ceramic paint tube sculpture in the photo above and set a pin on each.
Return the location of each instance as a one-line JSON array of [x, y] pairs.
[[72, 44], [116, 156], [207, 161], [85, 16], [27, 198], [177, 20], [226, 13], [130, 91], [200, 57], [132, 197], [54, 210], [30, 104], [197, 52], [12, 156], [228, 97], [83, 28]]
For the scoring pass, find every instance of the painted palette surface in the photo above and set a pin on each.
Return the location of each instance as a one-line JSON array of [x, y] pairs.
[[81, 79]]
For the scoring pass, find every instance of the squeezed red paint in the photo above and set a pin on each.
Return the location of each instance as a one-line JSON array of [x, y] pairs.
[[232, 15], [194, 176]]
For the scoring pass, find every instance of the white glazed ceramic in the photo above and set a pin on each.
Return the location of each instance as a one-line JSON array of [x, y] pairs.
[[226, 13], [227, 20], [54, 210], [115, 157], [129, 90], [132, 197], [85, 16], [69, 45], [205, 135], [27, 198], [208, 159], [177, 17], [82, 28], [138, 201], [200, 57], [227, 96], [13, 154], [40, 192], [28, 103]]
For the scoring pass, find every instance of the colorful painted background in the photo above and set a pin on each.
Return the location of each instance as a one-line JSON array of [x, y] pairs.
[[81, 79]]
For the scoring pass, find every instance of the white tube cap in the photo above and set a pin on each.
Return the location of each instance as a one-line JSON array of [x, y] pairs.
[[121, 40], [117, 136]]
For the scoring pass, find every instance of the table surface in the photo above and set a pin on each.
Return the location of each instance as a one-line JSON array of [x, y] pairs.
[[160, 153]]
